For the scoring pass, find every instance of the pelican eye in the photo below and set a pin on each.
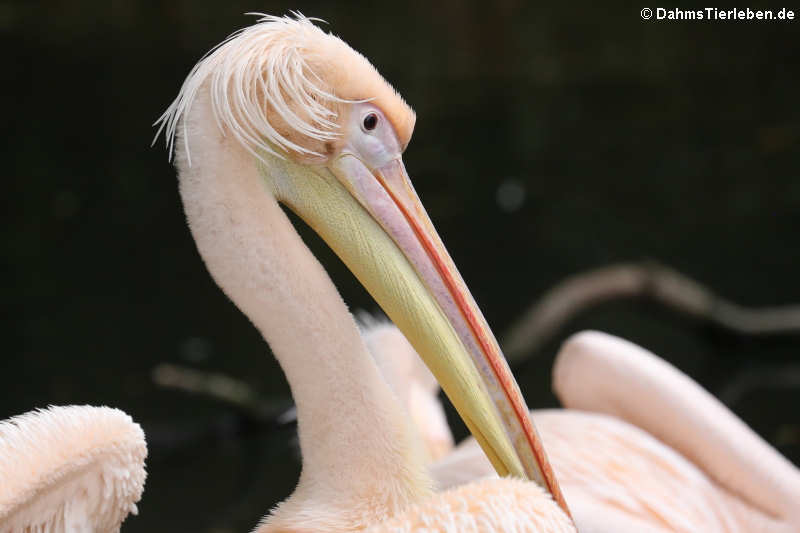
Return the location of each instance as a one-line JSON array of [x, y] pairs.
[[370, 121]]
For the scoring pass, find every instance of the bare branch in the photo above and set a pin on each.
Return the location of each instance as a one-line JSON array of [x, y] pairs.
[[649, 280], [229, 390], [772, 377]]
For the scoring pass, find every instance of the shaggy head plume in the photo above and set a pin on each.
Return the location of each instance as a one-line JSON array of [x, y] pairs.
[[283, 86]]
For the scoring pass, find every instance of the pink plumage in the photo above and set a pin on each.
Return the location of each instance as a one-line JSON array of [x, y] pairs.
[[64, 469]]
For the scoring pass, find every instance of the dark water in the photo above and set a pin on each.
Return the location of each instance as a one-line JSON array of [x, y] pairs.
[[606, 138]]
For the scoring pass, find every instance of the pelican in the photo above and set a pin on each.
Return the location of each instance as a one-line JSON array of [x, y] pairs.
[[283, 113], [68, 469], [641, 447]]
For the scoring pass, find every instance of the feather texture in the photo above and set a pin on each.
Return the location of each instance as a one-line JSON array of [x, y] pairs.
[[492, 505], [76, 468], [282, 87]]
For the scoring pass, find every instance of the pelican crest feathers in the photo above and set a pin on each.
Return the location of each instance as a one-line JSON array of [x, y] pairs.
[[282, 87]]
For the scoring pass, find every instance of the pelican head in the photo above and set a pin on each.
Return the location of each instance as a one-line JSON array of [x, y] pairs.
[[325, 134]]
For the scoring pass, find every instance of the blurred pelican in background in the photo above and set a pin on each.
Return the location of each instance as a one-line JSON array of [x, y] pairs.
[[283, 113], [641, 448], [411, 381]]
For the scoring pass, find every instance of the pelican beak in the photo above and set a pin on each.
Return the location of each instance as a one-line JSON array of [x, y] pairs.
[[493, 408], [374, 221]]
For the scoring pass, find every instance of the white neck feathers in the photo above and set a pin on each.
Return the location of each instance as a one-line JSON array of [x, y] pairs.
[[353, 433]]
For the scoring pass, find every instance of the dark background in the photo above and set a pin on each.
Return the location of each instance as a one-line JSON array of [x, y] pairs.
[[629, 139]]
